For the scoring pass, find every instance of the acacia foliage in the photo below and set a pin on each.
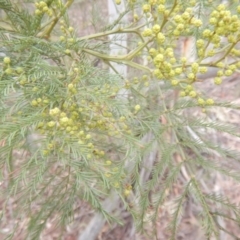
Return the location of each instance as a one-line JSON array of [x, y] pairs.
[[96, 132]]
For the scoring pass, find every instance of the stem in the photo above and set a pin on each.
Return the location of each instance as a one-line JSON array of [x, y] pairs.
[[120, 59], [165, 20], [227, 52], [181, 151], [113, 68], [225, 230], [119, 30], [132, 54], [47, 33]]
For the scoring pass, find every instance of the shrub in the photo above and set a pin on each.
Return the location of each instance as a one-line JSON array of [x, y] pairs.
[[86, 133]]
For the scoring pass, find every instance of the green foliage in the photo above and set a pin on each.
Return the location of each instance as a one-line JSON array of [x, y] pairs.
[[85, 133]]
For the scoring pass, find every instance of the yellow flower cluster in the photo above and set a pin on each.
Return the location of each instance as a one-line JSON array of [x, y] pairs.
[[9, 69], [68, 36], [170, 22], [81, 121], [42, 8]]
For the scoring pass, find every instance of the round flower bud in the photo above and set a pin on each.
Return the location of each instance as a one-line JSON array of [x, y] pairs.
[[201, 101], [191, 76], [34, 103], [70, 86], [176, 32], [45, 9], [71, 40], [146, 8], [42, 4], [160, 38], [68, 129], [174, 82], [182, 94], [211, 53], [67, 51], [207, 33], [62, 38], [192, 3], [19, 70], [39, 100], [64, 119], [217, 80], [192, 94], [147, 32], [220, 64], [232, 67], [178, 70], [137, 108], [157, 73], [216, 39], [200, 43], [88, 136], [108, 162], [221, 7], [210, 101], [228, 72], [195, 66], [54, 111], [89, 156], [161, 8], [231, 39], [51, 124], [38, 12], [183, 59], [203, 69], [200, 52], [213, 21], [186, 16], [7, 60], [127, 192], [178, 19], [215, 14], [189, 10], [172, 60], [159, 58], [136, 17], [70, 29], [196, 22], [9, 71], [156, 28], [180, 27], [220, 73], [189, 87]]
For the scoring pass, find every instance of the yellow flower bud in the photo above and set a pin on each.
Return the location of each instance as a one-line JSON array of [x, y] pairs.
[[201, 101], [146, 8], [217, 80], [193, 94], [161, 8], [108, 162], [209, 101], [137, 108], [51, 124], [7, 60], [160, 38], [156, 28], [70, 29]]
